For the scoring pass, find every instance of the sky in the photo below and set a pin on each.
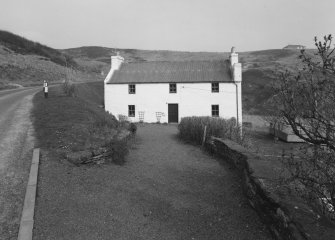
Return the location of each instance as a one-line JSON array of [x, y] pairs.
[[183, 25]]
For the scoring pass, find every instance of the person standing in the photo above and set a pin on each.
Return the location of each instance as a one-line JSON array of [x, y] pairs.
[[45, 89]]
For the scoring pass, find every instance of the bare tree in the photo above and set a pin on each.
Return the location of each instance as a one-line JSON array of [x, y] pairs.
[[305, 100]]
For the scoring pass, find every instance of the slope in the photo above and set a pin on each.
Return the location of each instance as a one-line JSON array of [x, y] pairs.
[[24, 62]]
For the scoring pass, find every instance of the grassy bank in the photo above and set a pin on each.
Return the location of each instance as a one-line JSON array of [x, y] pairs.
[[6, 86], [67, 125], [70, 195]]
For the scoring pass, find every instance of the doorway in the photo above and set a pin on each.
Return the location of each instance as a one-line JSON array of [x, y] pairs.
[[173, 113]]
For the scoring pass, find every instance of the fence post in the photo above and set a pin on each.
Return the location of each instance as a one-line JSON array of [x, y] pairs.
[[204, 136]]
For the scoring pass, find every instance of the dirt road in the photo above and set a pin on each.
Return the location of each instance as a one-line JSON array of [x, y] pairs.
[[16, 142]]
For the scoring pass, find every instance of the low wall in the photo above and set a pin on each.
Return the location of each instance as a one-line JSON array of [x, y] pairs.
[[273, 214]]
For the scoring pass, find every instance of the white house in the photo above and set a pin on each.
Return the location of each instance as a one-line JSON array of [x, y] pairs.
[[167, 91]]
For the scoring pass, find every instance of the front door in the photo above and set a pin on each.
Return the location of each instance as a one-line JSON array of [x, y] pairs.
[[173, 113]]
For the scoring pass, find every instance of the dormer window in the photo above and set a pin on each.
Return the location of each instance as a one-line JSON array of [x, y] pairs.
[[173, 88], [215, 87], [131, 89]]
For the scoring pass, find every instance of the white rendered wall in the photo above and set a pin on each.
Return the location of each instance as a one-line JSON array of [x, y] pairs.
[[193, 99], [239, 102]]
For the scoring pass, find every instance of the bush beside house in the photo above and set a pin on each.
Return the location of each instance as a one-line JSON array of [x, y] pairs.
[[191, 129]]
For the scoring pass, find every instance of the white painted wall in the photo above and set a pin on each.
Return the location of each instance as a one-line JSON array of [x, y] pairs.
[[193, 99]]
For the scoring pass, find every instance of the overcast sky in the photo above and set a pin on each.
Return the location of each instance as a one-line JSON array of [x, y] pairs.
[[187, 25]]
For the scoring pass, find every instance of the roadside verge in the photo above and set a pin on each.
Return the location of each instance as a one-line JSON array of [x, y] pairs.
[[27, 217]]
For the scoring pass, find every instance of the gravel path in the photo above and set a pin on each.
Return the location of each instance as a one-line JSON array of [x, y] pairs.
[[166, 190], [179, 192]]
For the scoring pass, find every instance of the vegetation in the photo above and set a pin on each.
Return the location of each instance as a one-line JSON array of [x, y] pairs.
[[28, 63], [77, 128], [132, 128], [256, 81], [5, 85], [24, 46], [69, 88], [191, 129], [305, 101]]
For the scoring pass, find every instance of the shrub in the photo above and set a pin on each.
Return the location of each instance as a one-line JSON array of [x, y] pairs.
[[192, 129], [132, 128], [104, 120], [313, 175], [117, 149], [69, 88]]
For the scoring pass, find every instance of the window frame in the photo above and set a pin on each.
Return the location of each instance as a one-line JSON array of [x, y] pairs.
[[215, 87], [173, 86], [131, 112], [215, 112], [132, 88]]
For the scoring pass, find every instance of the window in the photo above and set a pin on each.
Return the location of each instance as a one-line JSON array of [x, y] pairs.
[[215, 87], [131, 110], [173, 88], [131, 89], [215, 111]]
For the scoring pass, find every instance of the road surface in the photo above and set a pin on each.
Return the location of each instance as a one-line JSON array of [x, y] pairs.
[[16, 143]]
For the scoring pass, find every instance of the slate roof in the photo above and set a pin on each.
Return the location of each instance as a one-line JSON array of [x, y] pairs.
[[172, 72]]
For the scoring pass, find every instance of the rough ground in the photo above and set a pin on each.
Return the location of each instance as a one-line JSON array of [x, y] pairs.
[[16, 143], [166, 190]]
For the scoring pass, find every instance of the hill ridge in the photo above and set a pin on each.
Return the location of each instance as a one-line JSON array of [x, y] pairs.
[[24, 46]]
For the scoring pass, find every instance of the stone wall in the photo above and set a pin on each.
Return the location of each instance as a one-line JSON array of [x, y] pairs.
[[268, 206]]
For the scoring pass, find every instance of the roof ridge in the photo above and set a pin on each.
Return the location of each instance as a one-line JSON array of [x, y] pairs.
[[173, 71]]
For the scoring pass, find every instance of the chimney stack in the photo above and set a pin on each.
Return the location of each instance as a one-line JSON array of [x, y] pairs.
[[117, 61], [237, 72], [235, 66], [233, 57]]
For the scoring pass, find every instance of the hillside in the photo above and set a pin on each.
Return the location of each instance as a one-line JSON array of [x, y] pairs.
[[259, 73], [103, 54], [21, 45], [24, 62]]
